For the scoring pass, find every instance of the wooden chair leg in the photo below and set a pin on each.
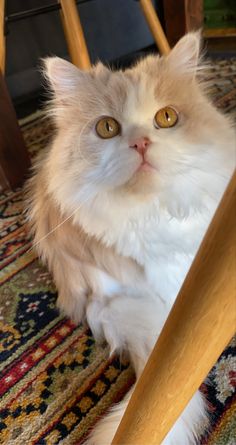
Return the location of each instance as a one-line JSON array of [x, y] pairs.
[[14, 159], [200, 325], [74, 34], [155, 26], [2, 37], [182, 16]]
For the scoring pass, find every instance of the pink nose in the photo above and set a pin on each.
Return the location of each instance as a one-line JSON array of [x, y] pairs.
[[140, 144]]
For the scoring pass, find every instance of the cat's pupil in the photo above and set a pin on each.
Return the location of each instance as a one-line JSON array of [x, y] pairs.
[[167, 116], [108, 126]]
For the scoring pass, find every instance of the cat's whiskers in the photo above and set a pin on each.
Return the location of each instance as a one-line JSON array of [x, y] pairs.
[[195, 180], [52, 231], [60, 224], [194, 166]]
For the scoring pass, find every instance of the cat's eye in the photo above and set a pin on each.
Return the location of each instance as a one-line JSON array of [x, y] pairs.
[[166, 117], [107, 127]]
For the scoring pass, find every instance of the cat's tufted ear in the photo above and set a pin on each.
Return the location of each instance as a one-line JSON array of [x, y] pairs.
[[72, 90], [184, 57], [101, 72], [63, 77]]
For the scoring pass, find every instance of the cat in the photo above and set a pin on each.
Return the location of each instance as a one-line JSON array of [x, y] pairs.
[[122, 198]]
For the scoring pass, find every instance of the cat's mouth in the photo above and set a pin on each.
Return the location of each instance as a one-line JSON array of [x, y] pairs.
[[146, 166]]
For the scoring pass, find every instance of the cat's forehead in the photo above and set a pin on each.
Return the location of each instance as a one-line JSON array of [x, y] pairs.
[[126, 94], [141, 100], [137, 93]]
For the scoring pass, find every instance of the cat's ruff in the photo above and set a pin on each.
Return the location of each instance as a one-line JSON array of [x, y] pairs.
[[120, 259]]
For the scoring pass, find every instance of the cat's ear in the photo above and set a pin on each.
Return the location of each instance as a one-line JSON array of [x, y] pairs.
[[101, 72], [63, 77], [184, 57]]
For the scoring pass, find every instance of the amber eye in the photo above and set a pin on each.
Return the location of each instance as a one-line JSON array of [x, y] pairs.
[[107, 127], [166, 117]]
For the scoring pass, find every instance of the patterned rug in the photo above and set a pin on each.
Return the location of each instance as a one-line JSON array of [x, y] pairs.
[[55, 380]]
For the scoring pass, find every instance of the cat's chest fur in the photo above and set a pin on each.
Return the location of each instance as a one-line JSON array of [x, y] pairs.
[[165, 248], [163, 245]]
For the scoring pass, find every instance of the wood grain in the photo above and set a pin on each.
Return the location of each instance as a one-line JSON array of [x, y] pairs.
[[219, 32], [74, 34], [200, 325], [14, 159], [182, 16], [2, 37], [193, 14], [155, 26]]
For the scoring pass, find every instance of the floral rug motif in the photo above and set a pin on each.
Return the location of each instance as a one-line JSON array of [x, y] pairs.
[[55, 381]]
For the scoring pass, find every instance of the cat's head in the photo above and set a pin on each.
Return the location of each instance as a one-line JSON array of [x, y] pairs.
[[137, 132]]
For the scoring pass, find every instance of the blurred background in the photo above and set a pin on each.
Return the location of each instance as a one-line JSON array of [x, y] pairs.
[[116, 32]]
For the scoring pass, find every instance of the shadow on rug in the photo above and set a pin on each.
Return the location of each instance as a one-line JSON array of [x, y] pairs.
[[55, 381]]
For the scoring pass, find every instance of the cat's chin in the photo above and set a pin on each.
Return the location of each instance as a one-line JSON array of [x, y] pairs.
[[145, 181], [146, 167]]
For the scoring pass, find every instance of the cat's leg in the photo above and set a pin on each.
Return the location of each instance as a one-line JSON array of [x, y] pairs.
[[78, 284], [134, 324], [72, 285]]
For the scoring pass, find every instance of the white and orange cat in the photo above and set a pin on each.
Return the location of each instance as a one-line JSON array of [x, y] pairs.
[[134, 173]]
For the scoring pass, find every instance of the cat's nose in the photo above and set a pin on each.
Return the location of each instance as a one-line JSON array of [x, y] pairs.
[[140, 144]]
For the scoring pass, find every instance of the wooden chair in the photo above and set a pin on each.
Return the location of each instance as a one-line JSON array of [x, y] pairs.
[[75, 38], [14, 159]]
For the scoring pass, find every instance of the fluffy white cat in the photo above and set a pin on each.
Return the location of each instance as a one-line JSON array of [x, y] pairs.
[[137, 166]]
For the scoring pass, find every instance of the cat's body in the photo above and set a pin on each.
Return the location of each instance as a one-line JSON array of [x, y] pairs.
[[131, 231]]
